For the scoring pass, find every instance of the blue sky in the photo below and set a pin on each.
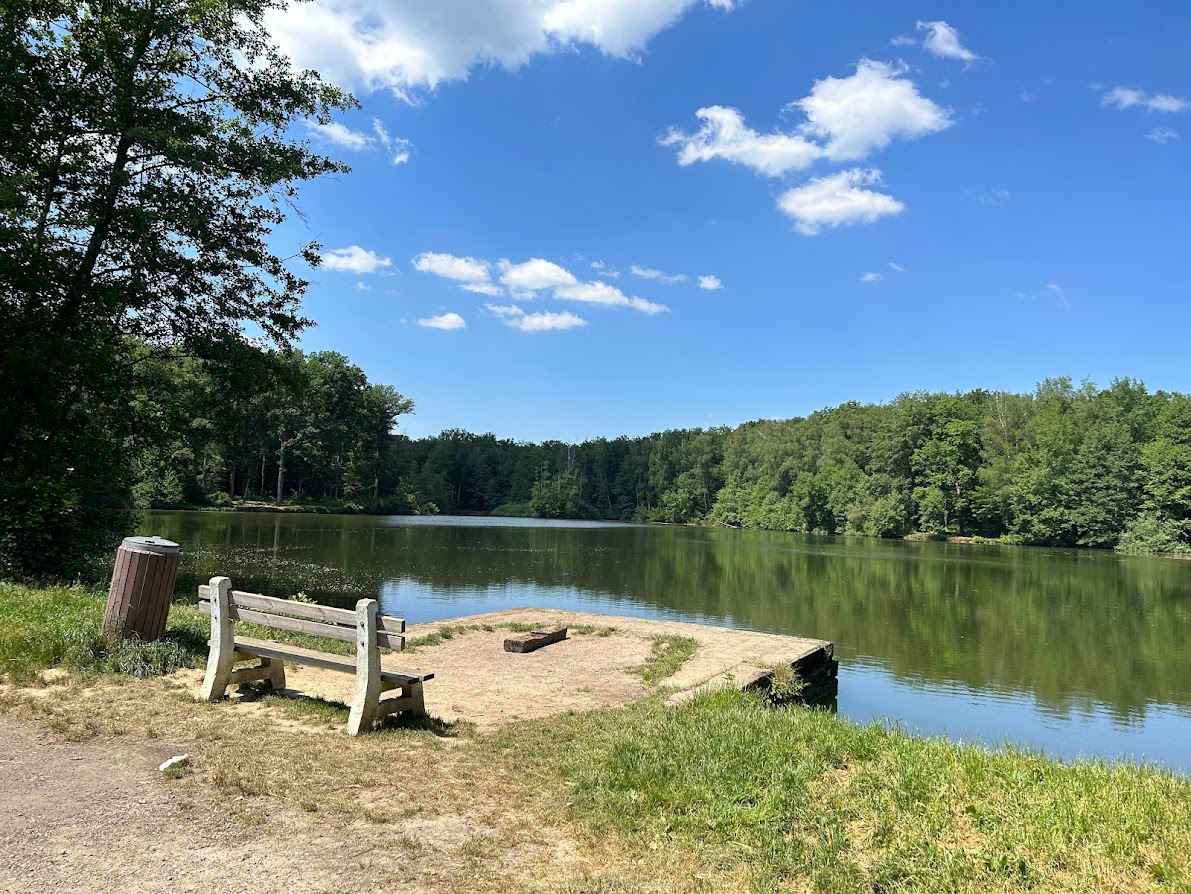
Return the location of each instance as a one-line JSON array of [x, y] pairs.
[[573, 218]]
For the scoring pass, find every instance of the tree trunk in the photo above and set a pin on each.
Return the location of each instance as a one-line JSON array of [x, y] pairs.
[[231, 481], [280, 471]]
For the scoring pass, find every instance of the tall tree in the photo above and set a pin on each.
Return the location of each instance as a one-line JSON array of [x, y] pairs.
[[144, 162]]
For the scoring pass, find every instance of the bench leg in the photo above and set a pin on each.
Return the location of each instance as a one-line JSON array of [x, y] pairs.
[[417, 704], [276, 673], [223, 642], [366, 697]]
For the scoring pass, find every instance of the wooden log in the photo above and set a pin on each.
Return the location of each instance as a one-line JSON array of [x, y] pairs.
[[535, 639]]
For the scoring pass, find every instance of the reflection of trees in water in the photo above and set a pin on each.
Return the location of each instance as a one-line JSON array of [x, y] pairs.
[[1070, 628]]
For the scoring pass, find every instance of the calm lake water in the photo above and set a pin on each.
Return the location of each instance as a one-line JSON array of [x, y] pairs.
[[1070, 652]]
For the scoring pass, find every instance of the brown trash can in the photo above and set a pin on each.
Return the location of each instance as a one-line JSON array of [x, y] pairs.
[[142, 584]]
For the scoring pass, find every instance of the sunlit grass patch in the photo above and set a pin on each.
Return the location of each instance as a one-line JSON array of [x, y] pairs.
[[805, 800], [43, 628], [670, 652]]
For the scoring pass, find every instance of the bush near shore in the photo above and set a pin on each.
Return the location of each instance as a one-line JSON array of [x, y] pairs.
[[762, 799]]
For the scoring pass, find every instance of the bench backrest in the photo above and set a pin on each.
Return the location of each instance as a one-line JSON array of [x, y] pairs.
[[305, 617]]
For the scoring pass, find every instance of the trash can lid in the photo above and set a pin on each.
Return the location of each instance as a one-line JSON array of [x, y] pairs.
[[151, 545]]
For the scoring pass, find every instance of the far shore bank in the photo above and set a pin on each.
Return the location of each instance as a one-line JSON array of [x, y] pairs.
[[318, 508]]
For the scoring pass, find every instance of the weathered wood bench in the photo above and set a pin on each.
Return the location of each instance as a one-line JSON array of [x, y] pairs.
[[365, 626]]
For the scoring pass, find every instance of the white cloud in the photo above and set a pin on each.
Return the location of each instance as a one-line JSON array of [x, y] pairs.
[[341, 135], [657, 275], [607, 296], [504, 310], [362, 286], [865, 111], [996, 198], [853, 116], [543, 321], [711, 283], [398, 149], [1127, 97], [725, 135], [871, 278], [472, 272], [546, 321], [837, 200], [535, 275], [896, 267], [526, 281], [354, 259], [444, 321], [604, 270], [1162, 135], [407, 47], [943, 40]]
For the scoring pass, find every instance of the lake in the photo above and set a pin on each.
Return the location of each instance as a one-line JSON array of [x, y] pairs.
[[1071, 652]]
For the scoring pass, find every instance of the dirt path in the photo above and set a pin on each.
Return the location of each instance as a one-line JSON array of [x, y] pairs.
[[98, 816]]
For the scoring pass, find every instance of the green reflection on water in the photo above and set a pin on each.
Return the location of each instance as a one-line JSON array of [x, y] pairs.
[[1072, 629]]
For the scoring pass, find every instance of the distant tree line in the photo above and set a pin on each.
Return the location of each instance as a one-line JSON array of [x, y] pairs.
[[1065, 466], [281, 425]]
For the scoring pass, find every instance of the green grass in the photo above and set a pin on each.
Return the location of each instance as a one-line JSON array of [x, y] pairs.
[[670, 652], [805, 800], [42, 628], [60, 627]]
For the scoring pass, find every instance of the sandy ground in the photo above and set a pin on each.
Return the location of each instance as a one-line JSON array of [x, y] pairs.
[[97, 815], [477, 682]]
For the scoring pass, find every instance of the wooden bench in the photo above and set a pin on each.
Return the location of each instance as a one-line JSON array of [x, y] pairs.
[[364, 626]]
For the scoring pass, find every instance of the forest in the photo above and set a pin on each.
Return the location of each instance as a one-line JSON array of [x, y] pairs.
[[1065, 466]]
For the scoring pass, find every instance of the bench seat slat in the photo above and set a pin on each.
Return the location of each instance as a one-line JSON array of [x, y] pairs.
[[302, 625], [266, 649], [326, 613]]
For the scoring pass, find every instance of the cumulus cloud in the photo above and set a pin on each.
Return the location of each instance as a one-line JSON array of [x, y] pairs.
[[472, 273], [444, 321], [1162, 135], [657, 275], [838, 200], [724, 134], [1127, 97], [354, 259], [845, 120], [535, 275], [943, 40], [527, 280], [711, 283], [369, 45], [865, 111], [871, 278], [543, 321]]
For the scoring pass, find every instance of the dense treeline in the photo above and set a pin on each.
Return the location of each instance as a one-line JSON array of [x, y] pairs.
[[1065, 466], [282, 425]]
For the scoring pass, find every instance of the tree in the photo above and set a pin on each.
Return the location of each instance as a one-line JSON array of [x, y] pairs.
[[144, 162]]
